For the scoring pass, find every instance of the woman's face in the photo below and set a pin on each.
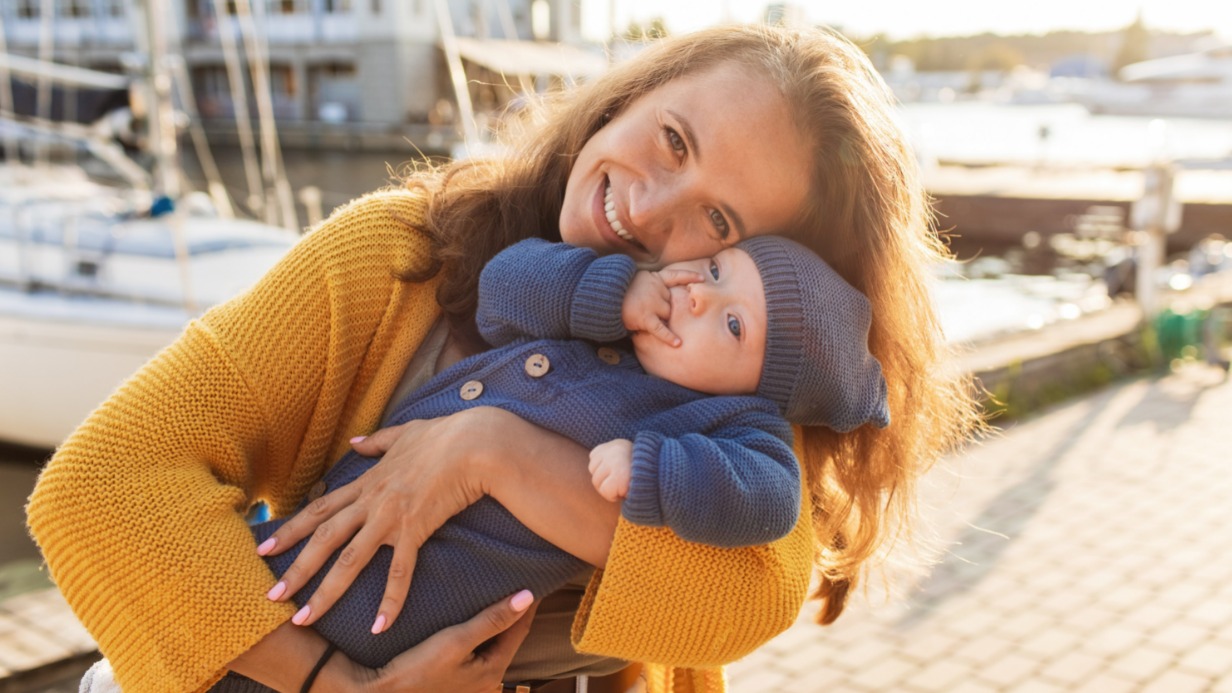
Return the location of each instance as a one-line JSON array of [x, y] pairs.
[[694, 166]]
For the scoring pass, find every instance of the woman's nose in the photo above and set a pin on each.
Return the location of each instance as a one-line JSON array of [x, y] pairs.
[[652, 203]]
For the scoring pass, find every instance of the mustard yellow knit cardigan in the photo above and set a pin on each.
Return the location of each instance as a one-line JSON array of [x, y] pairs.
[[140, 512]]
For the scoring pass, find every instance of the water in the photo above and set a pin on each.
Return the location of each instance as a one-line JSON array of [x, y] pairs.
[[19, 557], [977, 132]]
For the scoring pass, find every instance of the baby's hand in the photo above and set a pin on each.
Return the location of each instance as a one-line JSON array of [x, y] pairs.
[[648, 302], [611, 466]]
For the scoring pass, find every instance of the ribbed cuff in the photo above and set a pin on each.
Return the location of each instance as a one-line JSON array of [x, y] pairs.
[[598, 298], [642, 506]]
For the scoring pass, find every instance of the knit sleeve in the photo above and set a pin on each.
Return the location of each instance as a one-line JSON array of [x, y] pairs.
[[545, 290], [140, 512], [738, 485], [736, 599]]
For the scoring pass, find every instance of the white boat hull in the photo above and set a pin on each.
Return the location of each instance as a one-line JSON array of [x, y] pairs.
[[55, 372], [86, 300]]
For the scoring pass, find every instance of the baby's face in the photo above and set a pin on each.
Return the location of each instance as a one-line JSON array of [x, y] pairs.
[[721, 323]]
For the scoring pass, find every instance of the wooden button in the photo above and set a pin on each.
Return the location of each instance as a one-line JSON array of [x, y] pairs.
[[471, 389], [537, 366], [318, 489], [609, 356]]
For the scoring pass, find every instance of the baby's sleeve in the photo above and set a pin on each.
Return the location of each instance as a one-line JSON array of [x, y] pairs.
[[736, 485], [545, 290]]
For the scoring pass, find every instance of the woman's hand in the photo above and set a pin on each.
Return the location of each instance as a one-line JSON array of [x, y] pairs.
[[455, 659], [429, 471]]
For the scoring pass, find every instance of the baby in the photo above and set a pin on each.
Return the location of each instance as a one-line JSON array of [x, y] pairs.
[[690, 428]]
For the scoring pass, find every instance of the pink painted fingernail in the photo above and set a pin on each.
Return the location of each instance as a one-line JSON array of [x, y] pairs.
[[379, 625], [276, 591], [267, 546], [521, 600], [301, 615], [358, 439]]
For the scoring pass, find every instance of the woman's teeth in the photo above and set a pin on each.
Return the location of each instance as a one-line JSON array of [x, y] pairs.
[[609, 209]]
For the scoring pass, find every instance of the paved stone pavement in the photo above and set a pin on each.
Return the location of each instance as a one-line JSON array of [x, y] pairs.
[[1088, 549]]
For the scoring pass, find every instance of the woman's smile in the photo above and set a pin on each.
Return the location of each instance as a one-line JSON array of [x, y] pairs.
[[609, 209]]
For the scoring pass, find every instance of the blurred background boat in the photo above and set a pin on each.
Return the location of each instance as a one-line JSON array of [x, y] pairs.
[[95, 278]]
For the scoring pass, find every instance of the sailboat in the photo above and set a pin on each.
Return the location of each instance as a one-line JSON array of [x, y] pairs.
[[96, 279]]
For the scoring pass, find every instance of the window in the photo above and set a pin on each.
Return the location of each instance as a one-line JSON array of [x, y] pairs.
[[76, 8], [27, 9]]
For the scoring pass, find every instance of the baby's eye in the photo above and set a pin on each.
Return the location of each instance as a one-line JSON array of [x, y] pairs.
[[714, 270], [733, 325]]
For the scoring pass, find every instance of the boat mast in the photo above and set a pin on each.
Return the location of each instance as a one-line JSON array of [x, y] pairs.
[[457, 75], [151, 23], [12, 147], [47, 10], [271, 157], [239, 105]]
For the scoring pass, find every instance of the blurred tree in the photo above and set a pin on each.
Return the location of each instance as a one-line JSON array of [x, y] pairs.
[[657, 29], [999, 57], [1135, 44]]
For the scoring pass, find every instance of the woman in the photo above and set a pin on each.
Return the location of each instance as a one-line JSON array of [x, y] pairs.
[[698, 142]]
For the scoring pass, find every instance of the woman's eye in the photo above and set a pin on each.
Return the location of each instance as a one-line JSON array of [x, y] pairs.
[[733, 325], [675, 140], [719, 222], [714, 270]]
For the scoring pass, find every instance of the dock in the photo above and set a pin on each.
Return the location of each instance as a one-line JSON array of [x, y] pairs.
[[994, 206]]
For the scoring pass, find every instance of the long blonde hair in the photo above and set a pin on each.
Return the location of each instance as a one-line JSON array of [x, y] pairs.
[[867, 215]]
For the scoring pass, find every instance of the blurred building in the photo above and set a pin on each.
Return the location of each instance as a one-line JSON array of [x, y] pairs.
[[362, 67]]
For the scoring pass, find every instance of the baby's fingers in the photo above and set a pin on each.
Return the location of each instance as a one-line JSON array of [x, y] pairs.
[[663, 333], [679, 277]]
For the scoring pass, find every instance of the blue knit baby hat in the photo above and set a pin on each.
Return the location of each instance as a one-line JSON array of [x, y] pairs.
[[817, 368]]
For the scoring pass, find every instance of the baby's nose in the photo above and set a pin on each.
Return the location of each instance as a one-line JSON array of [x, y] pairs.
[[699, 296]]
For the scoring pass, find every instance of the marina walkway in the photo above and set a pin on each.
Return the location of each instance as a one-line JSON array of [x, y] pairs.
[[1089, 549]]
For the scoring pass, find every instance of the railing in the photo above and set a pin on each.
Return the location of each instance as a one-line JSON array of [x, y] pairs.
[[282, 29], [88, 31]]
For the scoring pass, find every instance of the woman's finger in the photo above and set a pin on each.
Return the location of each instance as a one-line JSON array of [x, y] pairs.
[[306, 521], [352, 559], [328, 537], [456, 659], [379, 442], [499, 618], [397, 586], [506, 641], [679, 277]]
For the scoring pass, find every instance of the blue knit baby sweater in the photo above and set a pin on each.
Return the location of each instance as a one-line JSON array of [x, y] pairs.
[[716, 470]]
